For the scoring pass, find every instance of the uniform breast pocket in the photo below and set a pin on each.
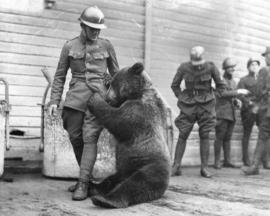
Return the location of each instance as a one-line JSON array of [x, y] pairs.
[[206, 77], [76, 55], [100, 56], [76, 61]]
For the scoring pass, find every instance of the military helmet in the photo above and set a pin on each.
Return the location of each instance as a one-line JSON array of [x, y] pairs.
[[93, 17], [228, 62], [251, 60], [196, 55]]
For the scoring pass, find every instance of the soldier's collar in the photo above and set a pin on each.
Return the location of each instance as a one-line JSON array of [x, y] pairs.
[[198, 67], [83, 38]]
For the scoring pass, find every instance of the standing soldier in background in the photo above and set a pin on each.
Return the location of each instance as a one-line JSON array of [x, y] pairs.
[[262, 99], [197, 104], [247, 116], [225, 111], [88, 57]]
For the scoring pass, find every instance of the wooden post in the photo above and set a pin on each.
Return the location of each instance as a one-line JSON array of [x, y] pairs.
[[148, 35]]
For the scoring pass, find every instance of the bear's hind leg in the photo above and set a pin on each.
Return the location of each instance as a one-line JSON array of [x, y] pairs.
[[146, 184], [105, 186]]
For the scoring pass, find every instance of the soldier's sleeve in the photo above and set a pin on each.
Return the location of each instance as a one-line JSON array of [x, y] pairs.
[[60, 76], [221, 85], [243, 98], [260, 89], [177, 81], [112, 62]]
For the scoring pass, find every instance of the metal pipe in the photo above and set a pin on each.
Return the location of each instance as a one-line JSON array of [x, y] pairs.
[[7, 110], [47, 76]]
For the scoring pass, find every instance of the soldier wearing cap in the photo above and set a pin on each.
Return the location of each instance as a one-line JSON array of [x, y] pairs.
[[247, 116], [225, 113], [262, 107], [197, 104], [88, 56]]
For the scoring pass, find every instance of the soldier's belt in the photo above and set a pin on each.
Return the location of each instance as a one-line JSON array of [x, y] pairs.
[[195, 92]]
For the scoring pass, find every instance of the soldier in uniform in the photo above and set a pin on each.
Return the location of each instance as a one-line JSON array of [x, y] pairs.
[[197, 104], [88, 56], [247, 116], [262, 99], [225, 113]]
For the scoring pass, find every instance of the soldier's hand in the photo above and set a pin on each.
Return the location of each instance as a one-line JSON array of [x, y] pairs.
[[237, 103], [255, 109], [243, 91], [53, 110]]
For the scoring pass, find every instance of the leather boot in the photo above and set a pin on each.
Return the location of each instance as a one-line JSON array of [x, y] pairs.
[[266, 159], [245, 144], [227, 154], [179, 152], [204, 152], [81, 192], [254, 169], [78, 150], [87, 163], [217, 148]]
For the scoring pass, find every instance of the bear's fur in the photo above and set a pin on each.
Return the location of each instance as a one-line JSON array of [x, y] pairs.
[[137, 119]]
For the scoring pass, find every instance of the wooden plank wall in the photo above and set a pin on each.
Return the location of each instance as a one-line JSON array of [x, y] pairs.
[[225, 28], [29, 41]]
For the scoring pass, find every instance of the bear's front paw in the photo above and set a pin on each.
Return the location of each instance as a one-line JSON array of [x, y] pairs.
[[108, 203]]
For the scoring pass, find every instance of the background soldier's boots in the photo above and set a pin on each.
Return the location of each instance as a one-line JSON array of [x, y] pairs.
[[227, 155], [217, 148], [266, 159], [266, 164], [204, 152], [246, 160], [81, 192], [254, 169], [179, 152]]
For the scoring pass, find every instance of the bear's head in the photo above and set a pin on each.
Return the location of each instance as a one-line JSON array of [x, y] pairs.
[[128, 84]]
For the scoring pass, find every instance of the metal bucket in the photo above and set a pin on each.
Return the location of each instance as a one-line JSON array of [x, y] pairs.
[[59, 159]]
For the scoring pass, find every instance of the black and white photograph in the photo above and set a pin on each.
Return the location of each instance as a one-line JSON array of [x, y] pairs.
[[134, 108]]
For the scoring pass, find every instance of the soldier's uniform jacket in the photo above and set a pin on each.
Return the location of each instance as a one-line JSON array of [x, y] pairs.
[[88, 62], [263, 89], [247, 82], [225, 108], [198, 89]]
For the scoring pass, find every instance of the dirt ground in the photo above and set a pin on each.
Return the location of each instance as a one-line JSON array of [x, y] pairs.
[[228, 193]]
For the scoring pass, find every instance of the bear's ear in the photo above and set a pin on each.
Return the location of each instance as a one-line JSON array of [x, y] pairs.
[[137, 68]]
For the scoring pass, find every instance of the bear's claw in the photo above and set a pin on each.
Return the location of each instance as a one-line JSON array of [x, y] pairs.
[[106, 203]]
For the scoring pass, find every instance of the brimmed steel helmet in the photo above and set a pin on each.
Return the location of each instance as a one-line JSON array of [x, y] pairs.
[[196, 55], [228, 62], [93, 17], [251, 60]]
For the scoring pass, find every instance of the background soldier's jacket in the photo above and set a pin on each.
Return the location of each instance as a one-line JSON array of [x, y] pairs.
[[247, 82], [263, 89], [87, 62], [198, 86], [225, 108]]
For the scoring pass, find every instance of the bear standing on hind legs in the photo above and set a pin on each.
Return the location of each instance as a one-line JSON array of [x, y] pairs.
[[136, 117]]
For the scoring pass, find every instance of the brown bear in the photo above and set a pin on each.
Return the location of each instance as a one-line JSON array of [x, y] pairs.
[[136, 116]]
